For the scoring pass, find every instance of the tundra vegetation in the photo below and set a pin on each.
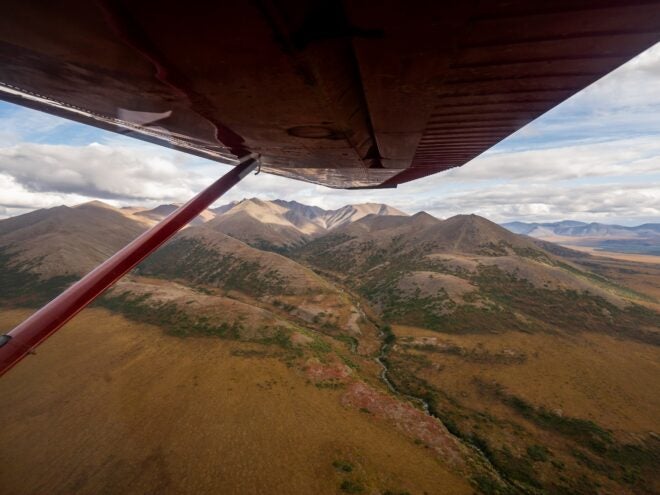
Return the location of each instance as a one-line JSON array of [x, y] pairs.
[[534, 362]]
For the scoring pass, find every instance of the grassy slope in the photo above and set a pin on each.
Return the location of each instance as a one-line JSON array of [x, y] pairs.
[[157, 414], [537, 375], [505, 404], [576, 397], [199, 312]]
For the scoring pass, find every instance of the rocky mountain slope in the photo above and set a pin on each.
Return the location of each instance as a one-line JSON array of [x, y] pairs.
[[66, 241], [499, 363], [42, 252], [263, 224], [276, 225], [160, 212], [474, 310], [467, 274]]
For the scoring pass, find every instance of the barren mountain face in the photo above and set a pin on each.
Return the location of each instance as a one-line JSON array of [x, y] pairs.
[[275, 347], [278, 225]]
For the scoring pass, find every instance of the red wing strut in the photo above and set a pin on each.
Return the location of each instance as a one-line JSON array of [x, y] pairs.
[[46, 321]]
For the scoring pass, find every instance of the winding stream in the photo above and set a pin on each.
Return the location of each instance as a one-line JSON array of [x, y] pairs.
[[380, 359], [383, 376]]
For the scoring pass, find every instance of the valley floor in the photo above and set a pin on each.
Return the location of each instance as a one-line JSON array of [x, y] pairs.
[[161, 414], [640, 258]]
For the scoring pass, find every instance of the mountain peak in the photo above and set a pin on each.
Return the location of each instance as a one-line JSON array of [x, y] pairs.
[[95, 204], [161, 211], [255, 201], [469, 233], [352, 213], [470, 218], [224, 208], [424, 218]]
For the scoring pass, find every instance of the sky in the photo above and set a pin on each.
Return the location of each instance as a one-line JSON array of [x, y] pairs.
[[594, 158]]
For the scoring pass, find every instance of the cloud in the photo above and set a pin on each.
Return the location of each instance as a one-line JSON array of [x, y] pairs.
[[528, 184], [16, 200], [633, 84], [550, 202], [98, 170], [639, 155]]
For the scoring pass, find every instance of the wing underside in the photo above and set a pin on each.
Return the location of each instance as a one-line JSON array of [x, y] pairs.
[[344, 94]]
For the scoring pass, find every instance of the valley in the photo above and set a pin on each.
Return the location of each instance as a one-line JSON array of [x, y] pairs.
[[277, 346], [639, 243]]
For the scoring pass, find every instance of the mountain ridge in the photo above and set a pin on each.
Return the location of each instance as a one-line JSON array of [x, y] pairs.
[[499, 357], [577, 228], [639, 239]]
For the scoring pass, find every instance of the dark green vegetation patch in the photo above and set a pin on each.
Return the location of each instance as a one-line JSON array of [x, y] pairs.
[[166, 315], [191, 260], [22, 287]]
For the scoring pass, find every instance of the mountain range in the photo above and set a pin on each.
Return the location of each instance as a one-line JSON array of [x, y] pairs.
[[275, 223], [642, 239], [358, 350], [280, 224]]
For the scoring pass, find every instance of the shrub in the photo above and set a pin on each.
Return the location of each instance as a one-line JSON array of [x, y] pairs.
[[349, 486], [389, 337], [344, 466], [537, 453]]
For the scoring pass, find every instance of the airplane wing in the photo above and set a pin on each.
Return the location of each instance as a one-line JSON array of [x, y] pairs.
[[345, 94]]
